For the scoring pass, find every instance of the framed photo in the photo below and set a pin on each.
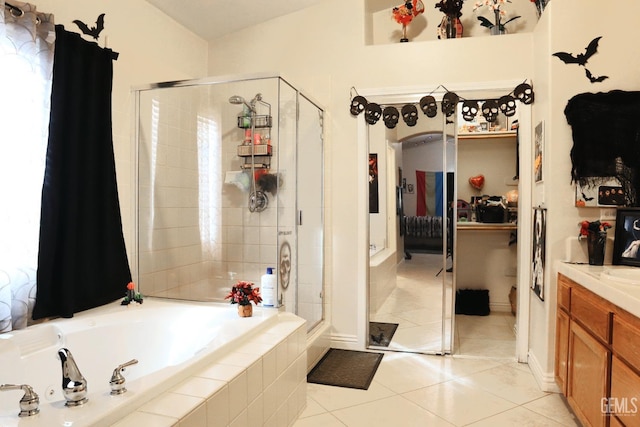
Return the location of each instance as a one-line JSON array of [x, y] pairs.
[[626, 246], [410, 188], [537, 262], [539, 147], [607, 192]]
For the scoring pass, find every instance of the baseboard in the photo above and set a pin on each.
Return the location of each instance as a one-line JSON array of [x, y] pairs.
[[546, 380], [503, 307], [344, 342]]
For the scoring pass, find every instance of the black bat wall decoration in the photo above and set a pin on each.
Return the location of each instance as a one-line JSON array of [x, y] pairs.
[[595, 79], [93, 31], [581, 58]]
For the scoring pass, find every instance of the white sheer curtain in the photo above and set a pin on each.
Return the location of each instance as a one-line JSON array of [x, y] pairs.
[[26, 64]]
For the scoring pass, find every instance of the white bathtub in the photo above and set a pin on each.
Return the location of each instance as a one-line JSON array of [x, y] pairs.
[[175, 343]]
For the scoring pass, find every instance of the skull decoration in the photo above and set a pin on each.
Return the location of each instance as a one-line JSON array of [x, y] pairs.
[[428, 106], [358, 104], [410, 114], [390, 116], [490, 110], [449, 102], [507, 105], [469, 110], [372, 113], [524, 93]]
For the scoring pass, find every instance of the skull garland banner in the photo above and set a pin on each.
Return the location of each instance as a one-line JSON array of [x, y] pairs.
[[490, 108]]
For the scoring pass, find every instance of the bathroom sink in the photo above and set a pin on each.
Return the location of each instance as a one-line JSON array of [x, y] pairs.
[[627, 276]]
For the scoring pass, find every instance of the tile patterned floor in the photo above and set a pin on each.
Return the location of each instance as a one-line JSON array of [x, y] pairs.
[[412, 389], [481, 384]]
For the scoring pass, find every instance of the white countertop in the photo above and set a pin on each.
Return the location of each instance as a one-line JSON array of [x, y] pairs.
[[627, 297]]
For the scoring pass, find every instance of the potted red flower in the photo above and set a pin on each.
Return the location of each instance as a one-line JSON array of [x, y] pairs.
[[243, 293]]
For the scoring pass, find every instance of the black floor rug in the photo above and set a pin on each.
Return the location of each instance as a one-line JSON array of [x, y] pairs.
[[380, 334], [346, 368]]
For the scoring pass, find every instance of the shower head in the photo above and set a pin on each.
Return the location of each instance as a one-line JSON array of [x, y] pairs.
[[236, 99]]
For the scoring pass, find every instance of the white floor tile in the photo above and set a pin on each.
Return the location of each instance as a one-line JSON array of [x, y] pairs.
[[507, 381], [332, 398], [392, 411], [322, 420], [312, 408], [553, 406], [402, 372], [459, 403], [518, 416]]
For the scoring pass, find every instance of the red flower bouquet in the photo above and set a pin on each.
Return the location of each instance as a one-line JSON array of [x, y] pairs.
[[243, 293]]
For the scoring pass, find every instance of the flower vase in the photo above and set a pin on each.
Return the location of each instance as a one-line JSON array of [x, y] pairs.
[[498, 29], [245, 310], [450, 27], [595, 246]]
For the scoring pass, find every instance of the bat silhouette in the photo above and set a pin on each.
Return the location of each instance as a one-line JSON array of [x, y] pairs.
[[93, 31], [595, 79], [581, 58], [587, 199]]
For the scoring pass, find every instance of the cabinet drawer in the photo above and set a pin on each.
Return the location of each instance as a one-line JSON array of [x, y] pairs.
[[624, 402], [564, 292], [626, 338], [592, 312]]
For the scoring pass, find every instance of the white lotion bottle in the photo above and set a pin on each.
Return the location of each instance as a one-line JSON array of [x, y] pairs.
[[268, 288]]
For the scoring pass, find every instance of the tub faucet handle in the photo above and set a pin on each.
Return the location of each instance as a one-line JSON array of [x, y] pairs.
[[29, 402], [117, 380]]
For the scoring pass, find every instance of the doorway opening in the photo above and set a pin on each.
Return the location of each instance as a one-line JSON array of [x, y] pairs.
[[412, 275]]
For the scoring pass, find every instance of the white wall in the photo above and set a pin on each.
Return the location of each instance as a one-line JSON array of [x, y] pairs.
[[324, 52], [569, 25], [152, 48]]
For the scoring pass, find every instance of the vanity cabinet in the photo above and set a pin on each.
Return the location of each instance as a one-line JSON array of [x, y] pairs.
[[597, 365]]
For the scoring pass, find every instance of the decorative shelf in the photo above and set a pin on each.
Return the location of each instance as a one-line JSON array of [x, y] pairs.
[[486, 226], [487, 135]]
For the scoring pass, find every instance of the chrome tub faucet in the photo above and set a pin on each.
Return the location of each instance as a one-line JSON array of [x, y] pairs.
[[74, 386]]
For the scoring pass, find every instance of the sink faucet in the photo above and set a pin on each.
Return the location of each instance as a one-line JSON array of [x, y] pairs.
[[29, 402], [74, 386]]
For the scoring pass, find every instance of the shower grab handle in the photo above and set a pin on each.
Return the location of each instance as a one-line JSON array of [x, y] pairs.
[[29, 402], [117, 380]]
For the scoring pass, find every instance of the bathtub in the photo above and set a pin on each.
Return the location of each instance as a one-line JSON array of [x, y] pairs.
[[196, 354]]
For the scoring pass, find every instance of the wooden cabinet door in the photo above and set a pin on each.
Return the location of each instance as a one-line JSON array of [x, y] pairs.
[[587, 375], [562, 349], [625, 393]]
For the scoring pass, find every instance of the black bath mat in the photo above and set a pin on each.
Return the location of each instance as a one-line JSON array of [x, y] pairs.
[[380, 334], [346, 368]]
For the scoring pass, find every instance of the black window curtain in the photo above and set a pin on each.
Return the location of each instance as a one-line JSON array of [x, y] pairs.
[[82, 260]]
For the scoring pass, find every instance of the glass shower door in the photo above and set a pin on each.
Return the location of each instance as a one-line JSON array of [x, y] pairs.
[[310, 212]]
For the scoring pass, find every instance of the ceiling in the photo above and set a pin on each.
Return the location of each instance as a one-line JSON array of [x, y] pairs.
[[211, 19]]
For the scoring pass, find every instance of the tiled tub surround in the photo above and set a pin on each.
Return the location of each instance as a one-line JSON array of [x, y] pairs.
[[199, 365]]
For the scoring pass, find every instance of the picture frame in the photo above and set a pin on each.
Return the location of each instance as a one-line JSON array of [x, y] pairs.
[[626, 245], [538, 152], [538, 253]]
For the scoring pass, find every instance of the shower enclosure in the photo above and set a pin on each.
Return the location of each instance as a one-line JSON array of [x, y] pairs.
[[230, 183]]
